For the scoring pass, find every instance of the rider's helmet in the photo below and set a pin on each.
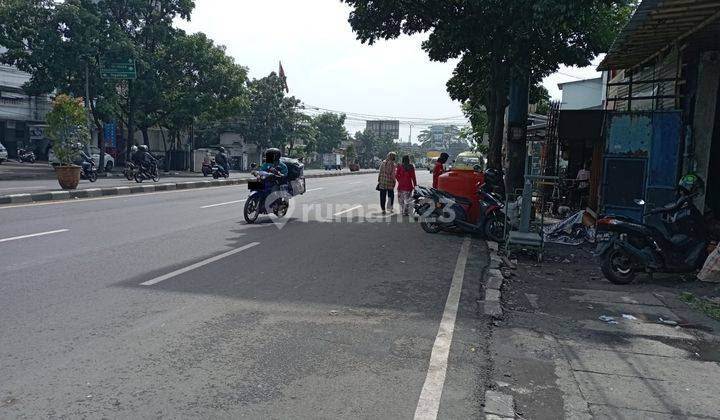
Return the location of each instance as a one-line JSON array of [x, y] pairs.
[[272, 156], [143, 148], [221, 149], [133, 149], [493, 176], [690, 184], [443, 157]]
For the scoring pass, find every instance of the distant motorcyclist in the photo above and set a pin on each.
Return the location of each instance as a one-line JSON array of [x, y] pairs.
[[146, 159], [135, 155], [87, 161], [221, 159], [273, 163]]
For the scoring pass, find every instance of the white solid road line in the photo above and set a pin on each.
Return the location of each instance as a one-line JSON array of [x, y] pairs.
[[429, 403], [314, 189], [347, 211], [14, 238], [198, 264], [224, 204]]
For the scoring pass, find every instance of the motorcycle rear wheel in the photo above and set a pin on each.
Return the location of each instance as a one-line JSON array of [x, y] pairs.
[[92, 176], [251, 211], [216, 175], [617, 267], [138, 178], [281, 209], [495, 229], [430, 227]]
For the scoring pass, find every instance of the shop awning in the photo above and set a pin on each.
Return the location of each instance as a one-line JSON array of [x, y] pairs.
[[656, 27]]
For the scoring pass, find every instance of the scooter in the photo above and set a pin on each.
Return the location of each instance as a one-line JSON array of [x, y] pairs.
[[147, 172], [635, 247], [439, 210], [207, 168], [25, 155], [219, 171], [269, 195], [88, 171]]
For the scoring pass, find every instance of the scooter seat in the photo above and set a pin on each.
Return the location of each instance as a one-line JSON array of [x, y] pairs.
[[457, 198]]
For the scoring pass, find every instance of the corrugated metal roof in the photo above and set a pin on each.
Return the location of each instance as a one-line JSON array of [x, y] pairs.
[[655, 27]]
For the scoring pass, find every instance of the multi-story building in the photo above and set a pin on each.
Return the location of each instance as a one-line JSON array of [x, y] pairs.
[[22, 117]]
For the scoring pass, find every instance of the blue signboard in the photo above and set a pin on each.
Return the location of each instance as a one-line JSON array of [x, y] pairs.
[[109, 134]]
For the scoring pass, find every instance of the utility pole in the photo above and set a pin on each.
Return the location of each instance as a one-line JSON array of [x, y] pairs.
[[410, 136], [517, 128]]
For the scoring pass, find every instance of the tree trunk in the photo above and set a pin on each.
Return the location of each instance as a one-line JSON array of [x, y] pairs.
[[496, 103], [517, 129], [145, 135]]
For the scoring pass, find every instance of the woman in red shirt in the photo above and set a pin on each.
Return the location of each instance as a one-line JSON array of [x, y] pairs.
[[406, 184], [439, 168]]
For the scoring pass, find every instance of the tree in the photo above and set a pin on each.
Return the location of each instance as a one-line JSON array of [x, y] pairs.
[[269, 120], [496, 38], [367, 146], [330, 129], [540, 97]]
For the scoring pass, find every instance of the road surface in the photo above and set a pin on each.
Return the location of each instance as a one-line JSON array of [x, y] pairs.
[[168, 305]]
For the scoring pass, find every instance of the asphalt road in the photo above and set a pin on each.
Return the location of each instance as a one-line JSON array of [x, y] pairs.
[[168, 305]]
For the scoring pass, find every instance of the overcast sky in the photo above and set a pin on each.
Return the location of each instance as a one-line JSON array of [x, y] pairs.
[[328, 68]]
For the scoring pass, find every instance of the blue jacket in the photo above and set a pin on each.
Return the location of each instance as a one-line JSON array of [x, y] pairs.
[[280, 167]]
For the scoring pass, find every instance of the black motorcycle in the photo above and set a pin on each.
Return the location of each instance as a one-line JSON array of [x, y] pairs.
[[24, 155], [439, 210], [218, 171], [88, 171], [147, 171], [678, 246]]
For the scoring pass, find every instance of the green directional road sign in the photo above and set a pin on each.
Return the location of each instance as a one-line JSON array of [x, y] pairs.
[[118, 69]]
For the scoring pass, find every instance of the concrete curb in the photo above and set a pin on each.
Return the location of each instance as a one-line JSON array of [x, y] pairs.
[[493, 284], [141, 188]]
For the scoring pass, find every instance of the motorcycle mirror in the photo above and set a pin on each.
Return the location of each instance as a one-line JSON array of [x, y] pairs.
[[639, 201]]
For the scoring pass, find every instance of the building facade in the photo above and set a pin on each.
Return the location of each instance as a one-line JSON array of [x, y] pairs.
[[384, 128]]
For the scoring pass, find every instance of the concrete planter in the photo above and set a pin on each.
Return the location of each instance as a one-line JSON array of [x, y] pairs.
[[68, 176]]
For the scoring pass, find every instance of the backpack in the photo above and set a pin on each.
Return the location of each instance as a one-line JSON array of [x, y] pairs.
[[295, 168]]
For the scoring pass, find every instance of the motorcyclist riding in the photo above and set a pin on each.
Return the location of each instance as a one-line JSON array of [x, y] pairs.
[[146, 159], [222, 159], [273, 163]]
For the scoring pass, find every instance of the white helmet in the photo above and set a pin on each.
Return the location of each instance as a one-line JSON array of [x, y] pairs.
[[134, 149]]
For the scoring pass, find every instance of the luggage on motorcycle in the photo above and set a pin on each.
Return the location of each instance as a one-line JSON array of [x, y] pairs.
[[297, 186], [295, 168]]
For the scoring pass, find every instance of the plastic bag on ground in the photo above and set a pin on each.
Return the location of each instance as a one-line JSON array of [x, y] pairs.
[[711, 270]]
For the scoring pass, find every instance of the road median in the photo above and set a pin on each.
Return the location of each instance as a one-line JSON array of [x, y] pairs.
[[61, 195]]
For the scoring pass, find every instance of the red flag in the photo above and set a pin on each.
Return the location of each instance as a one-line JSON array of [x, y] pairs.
[[283, 78]]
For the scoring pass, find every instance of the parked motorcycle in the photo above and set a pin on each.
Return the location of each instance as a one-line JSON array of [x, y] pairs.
[[269, 195], [680, 246], [129, 172], [219, 171], [439, 210], [149, 171], [88, 171], [25, 155]]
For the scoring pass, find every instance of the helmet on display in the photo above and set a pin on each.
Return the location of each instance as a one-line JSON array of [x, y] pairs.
[[144, 148], [690, 184], [272, 156]]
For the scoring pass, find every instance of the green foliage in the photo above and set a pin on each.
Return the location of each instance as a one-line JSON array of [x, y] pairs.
[[330, 130], [491, 37], [67, 127], [370, 146], [540, 97]]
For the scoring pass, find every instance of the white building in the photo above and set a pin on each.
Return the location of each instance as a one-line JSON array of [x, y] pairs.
[[22, 117], [583, 94]]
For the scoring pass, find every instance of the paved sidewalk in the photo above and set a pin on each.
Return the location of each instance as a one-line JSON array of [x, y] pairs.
[[557, 358]]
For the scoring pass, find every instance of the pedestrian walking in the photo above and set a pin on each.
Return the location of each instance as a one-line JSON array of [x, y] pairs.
[[386, 182], [407, 182]]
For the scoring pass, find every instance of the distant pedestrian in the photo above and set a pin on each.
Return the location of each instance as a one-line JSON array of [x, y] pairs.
[[406, 184], [439, 168], [386, 182]]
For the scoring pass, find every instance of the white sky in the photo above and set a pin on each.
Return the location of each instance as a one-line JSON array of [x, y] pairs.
[[327, 67]]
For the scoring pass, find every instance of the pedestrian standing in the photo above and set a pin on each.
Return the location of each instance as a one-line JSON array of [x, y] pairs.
[[386, 182], [439, 168], [406, 184]]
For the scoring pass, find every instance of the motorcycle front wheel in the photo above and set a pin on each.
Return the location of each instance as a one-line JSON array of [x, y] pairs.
[[617, 267], [128, 174], [495, 228], [216, 175], [252, 209]]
